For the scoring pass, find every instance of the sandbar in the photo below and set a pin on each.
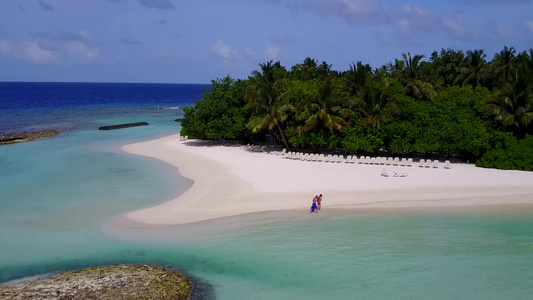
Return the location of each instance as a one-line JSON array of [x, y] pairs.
[[230, 181]]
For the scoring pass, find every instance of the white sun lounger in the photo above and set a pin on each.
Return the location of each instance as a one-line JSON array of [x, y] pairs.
[[396, 161], [447, 164], [384, 173], [428, 163], [422, 163], [435, 164], [409, 162]]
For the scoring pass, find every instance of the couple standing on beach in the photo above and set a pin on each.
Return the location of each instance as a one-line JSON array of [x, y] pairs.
[[317, 203]]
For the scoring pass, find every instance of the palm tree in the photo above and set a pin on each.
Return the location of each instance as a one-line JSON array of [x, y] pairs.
[[263, 95], [373, 107], [448, 65], [512, 105], [411, 64], [474, 71], [323, 70], [525, 61], [325, 110], [407, 72], [357, 78], [505, 67], [309, 68]]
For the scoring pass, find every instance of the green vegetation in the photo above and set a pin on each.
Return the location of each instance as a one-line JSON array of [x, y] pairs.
[[220, 114], [456, 104], [516, 156]]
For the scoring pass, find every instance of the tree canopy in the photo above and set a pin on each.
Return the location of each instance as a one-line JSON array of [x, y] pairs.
[[455, 104]]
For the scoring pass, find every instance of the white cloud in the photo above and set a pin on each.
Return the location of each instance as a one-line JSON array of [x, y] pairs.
[[79, 50], [405, 26], [418, 16], [507, 33], [30, 51], [223, 50], [272, 53], [357, 11], [34, 52], [458, 28], [61, 35], [412, 20]]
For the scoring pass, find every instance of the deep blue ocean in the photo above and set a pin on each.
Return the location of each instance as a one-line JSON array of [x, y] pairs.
[[79, 106], [58, 194]]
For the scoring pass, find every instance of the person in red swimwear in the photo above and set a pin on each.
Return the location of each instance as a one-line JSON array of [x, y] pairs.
[[319, 202]]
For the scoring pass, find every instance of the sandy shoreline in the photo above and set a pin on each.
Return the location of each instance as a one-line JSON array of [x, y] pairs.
[[231, 181]]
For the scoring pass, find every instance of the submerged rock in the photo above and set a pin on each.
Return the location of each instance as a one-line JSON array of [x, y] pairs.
[[106, 282], [26, 136]]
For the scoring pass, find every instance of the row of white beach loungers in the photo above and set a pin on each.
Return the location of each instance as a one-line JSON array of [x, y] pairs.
[[184, 138], [396, 161], [435, 164], [254, 148]]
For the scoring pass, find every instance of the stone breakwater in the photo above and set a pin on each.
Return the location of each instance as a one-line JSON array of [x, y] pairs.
[[120, 126], [26, 136], [107, 282]]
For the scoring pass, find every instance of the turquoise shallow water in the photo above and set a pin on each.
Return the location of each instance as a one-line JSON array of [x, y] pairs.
[[57, 195], [365, 256], [61, 192]]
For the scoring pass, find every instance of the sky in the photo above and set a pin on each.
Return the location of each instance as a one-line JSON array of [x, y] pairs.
[[178, 41]]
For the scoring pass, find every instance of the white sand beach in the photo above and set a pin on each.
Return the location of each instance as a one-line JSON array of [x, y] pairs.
[[231, 181]]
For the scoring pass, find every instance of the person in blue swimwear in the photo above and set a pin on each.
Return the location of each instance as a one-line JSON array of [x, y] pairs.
[[314, 206]]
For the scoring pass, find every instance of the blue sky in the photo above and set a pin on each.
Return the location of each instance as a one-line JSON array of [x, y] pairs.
[[178, 41]]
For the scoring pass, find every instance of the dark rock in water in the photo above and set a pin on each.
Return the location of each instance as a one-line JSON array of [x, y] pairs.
[[178, 120], [26, 136], [108, 282], [119, 126]]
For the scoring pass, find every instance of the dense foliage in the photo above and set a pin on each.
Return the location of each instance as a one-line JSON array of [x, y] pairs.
[[517, 156], [456, 104], [220, 114]]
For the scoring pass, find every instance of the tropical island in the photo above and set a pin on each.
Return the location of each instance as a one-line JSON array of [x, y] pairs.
[[456, 105]]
